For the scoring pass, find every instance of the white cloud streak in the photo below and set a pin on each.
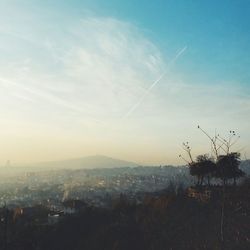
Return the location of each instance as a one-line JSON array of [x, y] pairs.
[[99, 67], [77, 80], [133, 108]]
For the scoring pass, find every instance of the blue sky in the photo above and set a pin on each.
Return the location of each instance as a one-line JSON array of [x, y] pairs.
[[217, 32], [129, 79]]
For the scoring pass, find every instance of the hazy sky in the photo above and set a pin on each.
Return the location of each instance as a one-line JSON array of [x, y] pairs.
[[128, 79]]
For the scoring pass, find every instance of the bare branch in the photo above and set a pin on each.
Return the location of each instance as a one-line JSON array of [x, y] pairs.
[[184, 159], [213, 140]]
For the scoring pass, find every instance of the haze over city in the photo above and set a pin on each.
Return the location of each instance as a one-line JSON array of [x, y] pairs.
[[126, 79]]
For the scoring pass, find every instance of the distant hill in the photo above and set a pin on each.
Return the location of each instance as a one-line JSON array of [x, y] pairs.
[[89, 162]]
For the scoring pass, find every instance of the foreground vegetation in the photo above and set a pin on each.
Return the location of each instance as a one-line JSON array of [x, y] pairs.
[[165, 220]]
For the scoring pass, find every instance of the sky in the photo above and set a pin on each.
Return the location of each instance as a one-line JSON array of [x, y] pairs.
[[127, 79]]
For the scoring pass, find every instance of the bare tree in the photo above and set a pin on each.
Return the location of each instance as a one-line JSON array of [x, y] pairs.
[[203, 166], [227, 163]]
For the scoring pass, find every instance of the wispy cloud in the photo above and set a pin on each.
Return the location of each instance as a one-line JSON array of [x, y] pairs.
[[79, 79], [29, 93], [97, 69]]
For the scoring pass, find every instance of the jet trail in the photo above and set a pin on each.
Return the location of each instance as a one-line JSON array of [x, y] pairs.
[[133, 108]]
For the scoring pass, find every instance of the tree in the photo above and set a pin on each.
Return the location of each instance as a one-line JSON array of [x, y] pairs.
[[227, 164], [193, 167], [228, 167], [207, 167], [222, 164], [202, 167]]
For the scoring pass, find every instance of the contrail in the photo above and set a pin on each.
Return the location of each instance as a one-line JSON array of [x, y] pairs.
[[132, 109]]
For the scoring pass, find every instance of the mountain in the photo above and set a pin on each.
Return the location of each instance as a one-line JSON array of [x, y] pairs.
[[96, 161]]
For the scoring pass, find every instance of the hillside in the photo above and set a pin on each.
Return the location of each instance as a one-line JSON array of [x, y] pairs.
[[89, 162]]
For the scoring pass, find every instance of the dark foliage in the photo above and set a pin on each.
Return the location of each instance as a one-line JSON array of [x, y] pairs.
[[162, 221], [228, 167], [202, 168]]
